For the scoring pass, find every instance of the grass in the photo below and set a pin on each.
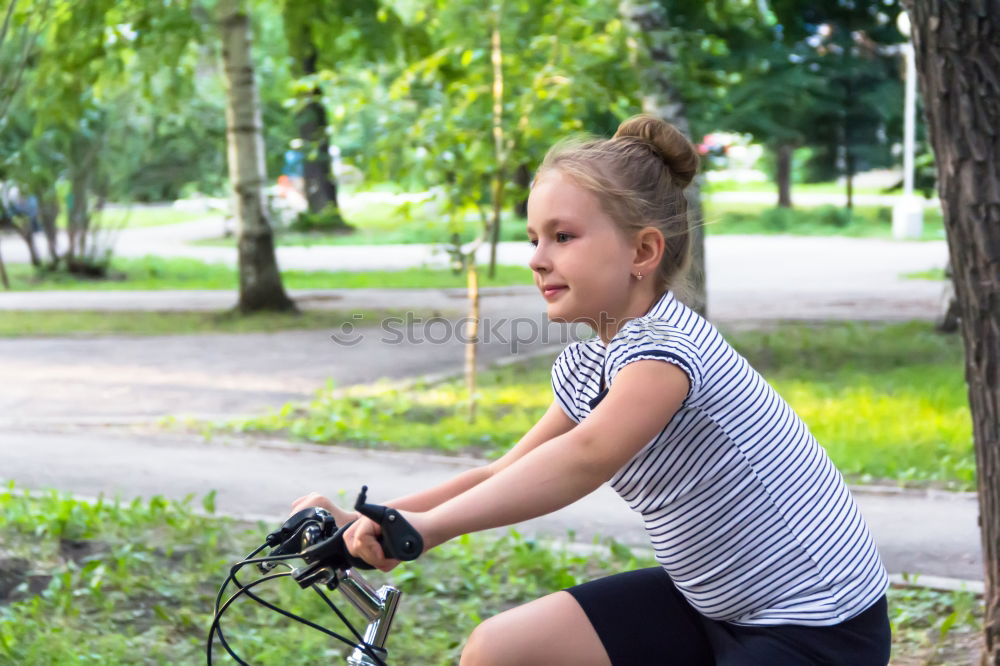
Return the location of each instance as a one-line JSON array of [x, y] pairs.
[[45, 323], [758, 219], [385, 222], [113, 583], [142, 216], [888, 402], [936, 274], [423, 417], [831, 187], [155, 273]]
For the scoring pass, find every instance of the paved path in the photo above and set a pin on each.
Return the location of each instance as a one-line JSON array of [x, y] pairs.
[[915, 532]]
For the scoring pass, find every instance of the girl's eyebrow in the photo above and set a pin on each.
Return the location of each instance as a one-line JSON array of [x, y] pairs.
[[552, 221]]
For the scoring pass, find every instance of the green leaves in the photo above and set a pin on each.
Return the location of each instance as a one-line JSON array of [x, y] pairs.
[[562, 64]]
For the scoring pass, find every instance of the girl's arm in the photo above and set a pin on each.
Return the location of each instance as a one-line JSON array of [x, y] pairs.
[[644, 398], [553, 423]]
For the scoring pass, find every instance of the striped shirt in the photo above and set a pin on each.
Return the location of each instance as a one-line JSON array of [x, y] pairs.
[[744, 509]]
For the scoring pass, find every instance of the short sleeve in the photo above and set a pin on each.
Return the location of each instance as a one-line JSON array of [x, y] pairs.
[[564, 381], [641, 339]]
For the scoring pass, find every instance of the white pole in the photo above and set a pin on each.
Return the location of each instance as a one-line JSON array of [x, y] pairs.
[[910, 119], [908, 213]]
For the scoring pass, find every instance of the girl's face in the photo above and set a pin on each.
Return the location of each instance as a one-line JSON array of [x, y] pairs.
[[582, 262]]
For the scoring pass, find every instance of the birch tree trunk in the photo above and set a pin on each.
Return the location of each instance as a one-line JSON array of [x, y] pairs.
[[957, 44], [649, 22], [500, 154], [260, 280]]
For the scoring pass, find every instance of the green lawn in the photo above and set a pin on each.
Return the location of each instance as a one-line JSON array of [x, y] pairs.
[[712, 186], [140, 216], [30, 323], [152, 272], [386, 222], [936, 274], [887, 401], [759, 219], [124, 583]]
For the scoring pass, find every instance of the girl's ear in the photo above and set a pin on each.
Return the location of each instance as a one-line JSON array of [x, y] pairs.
[[649, 246]]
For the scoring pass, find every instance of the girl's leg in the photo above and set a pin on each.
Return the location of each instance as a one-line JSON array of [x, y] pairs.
[[552, 630], [637, 618]]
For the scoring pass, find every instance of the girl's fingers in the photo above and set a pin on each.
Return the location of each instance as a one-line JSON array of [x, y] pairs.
[[362, 541], [315, 499]]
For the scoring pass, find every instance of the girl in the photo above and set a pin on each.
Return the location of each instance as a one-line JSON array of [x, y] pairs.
[[764, 557]]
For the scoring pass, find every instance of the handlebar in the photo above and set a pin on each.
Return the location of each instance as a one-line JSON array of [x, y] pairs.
[[312, 535]]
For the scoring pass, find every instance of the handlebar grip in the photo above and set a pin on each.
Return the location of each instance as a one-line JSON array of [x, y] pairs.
[[399, 540]]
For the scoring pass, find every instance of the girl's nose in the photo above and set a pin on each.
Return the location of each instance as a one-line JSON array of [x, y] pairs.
[[539, 261]]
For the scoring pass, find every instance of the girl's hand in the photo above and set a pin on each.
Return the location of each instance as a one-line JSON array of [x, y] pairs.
[[361, 539], [341, 516]]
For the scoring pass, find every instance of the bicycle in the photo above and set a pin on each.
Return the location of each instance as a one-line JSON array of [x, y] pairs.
[[313, 536]]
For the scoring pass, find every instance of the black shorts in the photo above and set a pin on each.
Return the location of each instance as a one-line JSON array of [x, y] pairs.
[[642, 619]]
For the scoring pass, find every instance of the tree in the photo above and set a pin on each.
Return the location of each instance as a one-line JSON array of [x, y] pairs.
[[774, 101], [260, 280], [957, 48], [662, 97], [561, 72], [853, 118], [18, 35], [328, 36], [482, 100]]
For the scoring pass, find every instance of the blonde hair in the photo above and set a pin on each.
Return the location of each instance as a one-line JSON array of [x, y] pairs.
[[639, 176]]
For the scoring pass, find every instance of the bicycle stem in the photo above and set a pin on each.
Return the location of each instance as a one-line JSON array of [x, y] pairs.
[[377, 606]]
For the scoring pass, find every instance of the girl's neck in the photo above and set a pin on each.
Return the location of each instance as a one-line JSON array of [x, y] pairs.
[[639, 304]]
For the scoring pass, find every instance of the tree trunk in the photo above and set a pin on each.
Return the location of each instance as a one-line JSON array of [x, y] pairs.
[[783, 174], [3, 274], [321, 188], [27, 234], [499, 152], [48, 212], [472, 335], [260, 280], [77, 219], [662, 99], [957, 46], [849, 177], [522, 178]]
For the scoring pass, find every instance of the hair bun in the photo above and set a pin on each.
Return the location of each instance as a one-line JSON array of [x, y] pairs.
[[676, 151]]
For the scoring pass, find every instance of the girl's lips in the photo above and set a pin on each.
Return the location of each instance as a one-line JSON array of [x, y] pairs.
[[552, 291]]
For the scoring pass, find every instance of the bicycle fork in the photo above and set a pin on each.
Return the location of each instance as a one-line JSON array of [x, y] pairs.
[[377, 606]]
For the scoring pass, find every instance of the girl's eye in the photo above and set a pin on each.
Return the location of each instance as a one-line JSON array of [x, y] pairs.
[[560, 237]]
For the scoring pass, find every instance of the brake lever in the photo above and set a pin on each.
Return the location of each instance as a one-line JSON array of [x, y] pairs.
[[294, 523], [298, 533], [399, 540]]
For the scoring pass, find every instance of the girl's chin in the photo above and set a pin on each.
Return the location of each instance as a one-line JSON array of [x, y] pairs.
[[554, 314], [561, 315]]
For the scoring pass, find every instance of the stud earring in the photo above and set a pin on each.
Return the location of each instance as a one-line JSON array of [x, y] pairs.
[[638, 276]]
